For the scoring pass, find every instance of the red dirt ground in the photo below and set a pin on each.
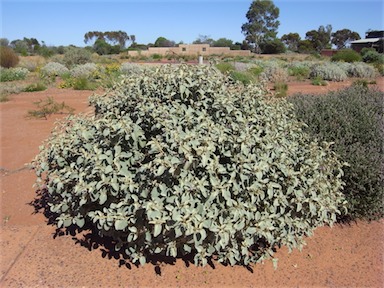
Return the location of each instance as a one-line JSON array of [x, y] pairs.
[[32, 256]]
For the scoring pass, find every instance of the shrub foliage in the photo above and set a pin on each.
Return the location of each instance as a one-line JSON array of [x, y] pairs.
[[347, 55], [13, 74], [183, 160], [353, 120], [8, 57], [328, 71]]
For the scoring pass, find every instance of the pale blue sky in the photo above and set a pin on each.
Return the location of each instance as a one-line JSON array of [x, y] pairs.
[[65, 22]]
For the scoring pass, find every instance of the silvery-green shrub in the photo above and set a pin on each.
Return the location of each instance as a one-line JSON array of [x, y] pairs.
[[86, 70], [361, 70], [183, 160], [328, 71], [273, 71], [53, 69], [12, 74], [130, 68], [242, 67]]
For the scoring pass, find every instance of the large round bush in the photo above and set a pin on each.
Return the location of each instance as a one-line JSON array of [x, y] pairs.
[[182, 160]]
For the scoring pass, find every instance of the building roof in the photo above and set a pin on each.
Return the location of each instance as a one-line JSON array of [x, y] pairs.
[[366, 40]]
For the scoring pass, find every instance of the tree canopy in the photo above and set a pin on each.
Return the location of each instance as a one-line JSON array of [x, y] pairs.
[[164, 42], [320, 38], [262, 23], [342, 38], [204, 39], [113, 37], [291, 40]]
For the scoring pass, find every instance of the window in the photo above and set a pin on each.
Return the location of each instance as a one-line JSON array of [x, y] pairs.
[[183, 49], [204, 49]]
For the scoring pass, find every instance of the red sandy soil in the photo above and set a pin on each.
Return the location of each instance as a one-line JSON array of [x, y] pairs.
[[33, 256]]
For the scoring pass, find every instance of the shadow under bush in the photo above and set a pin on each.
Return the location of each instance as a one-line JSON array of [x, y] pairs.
[[353, 119]]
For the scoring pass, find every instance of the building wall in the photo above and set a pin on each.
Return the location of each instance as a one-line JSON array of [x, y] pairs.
[[192, 49], [328, 52], [378, 46]]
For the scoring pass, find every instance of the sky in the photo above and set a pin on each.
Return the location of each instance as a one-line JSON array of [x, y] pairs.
[[58, 22]]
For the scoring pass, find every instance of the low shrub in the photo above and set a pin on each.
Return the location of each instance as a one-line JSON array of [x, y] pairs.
[[48, 107], [53, 69], [112, 68], [83, 83], [35, 87], [353, 120], [87, 70], [8, 57], [181, 160], [242, 67], [328, 71], [300, 70], [76, 56], [156, 56], [318, 81], [225, 67], [242, 77], [361, 70], [7, 88], [370, 55], [255, 70], [379, 67], [130, 68], [347, 55], [363, 83], [31, 63], [281, 89], [13, 74], [273, 72]]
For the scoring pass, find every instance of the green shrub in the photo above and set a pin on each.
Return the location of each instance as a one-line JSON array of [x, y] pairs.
[[83, 83], [347, 55], [13, 74], [380, 68], [181, 160], [255, 70], [353, 119], [275, 46], [300, 70], [8, 57], [370, 55], [281, 89], [318, 81], [76, 56], [157, 56], [361, 83], [225, 67], [328, 71], [242, 77], [35, 87]]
